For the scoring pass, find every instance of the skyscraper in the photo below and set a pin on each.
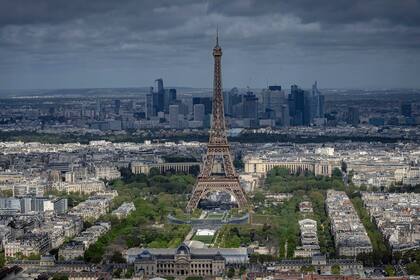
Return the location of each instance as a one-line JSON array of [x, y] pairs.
[[307, 108], [199, 112], [296, 102], [230, 99], [206, 101], [273, 99], [174, 116], [169, 98], [304, 106], [158, 97], [117, 106], [159, 85], [317, 102], [149, 104], [285, 115], [250, 106]]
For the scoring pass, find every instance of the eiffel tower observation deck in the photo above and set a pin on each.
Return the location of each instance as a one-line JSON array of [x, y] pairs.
[[218, 150]]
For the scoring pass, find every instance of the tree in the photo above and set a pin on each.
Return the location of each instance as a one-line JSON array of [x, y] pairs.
[[33, 257], [117, 273], [336, 173], [253, 258], [94, 253], [42, 276], [2, 260], [259, 197], [130, 272], [307, 269], [6, 193], [396, 256], [117, 257], [126, 173], [351, 175], [231, 272], [366, 258], [238, 162], [343, 166], [413, 268], [60, 276], [389, 270], [363, 188], [335, 269], [195, 170], [153, 172], [280, 171]]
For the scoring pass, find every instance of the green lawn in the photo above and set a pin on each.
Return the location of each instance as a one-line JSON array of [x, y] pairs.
[[207, 239], [215, 215], [262, 219]]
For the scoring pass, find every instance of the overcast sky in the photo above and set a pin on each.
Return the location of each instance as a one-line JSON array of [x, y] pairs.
[[125, 43]]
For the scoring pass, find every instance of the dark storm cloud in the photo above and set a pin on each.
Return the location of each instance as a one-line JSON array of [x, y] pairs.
[[45, 11], [405, 12], [19, 12], [96, 37], [132, 24]]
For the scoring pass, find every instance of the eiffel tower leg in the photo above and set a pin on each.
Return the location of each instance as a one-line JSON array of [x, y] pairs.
[[239, 195], [198, 192]]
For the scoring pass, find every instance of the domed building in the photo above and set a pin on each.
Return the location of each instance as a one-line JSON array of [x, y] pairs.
[[179, 262]]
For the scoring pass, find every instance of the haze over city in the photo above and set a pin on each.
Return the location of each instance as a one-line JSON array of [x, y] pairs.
[[106, 43]]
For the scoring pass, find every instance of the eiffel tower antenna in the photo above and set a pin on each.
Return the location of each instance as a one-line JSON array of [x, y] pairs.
[[218, 149], [217, 35]]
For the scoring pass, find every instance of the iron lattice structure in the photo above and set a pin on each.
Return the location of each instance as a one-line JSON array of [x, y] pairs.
[[218, 148]]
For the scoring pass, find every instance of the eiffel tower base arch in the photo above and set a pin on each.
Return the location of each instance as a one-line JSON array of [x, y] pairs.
[[204, 187]]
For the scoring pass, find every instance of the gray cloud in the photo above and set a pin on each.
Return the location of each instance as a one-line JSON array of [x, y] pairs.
[[404, 12], [61, 43]]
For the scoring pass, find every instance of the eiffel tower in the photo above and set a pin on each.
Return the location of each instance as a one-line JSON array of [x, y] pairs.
[[218, 150]]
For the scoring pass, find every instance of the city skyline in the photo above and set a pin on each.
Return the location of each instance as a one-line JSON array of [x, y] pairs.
[[357, 44]]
